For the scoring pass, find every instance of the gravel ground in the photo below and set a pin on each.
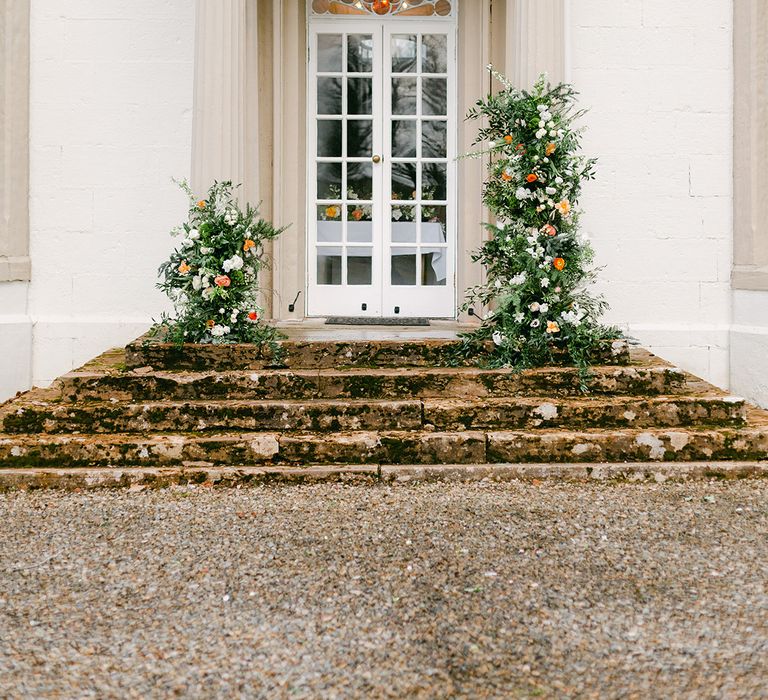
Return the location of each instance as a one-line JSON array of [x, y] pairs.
[[443, 590]]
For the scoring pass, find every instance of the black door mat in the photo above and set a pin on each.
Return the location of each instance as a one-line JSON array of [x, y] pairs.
[[357, 321]]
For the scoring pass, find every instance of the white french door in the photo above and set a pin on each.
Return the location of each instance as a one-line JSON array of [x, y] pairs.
[[381, 168]]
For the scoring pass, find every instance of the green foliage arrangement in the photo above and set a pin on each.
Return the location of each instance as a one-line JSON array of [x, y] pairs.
[[212, 276], [538, 308]]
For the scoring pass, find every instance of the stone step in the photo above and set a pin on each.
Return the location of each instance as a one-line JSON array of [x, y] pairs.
[[318, 354], [406, 383], [395, 447], [327, 415]]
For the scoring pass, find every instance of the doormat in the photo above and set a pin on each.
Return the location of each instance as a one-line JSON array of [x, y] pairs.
[[357, 321]]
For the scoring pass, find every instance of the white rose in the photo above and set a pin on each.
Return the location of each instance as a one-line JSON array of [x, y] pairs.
[[541, 133], [544, 308], [522, 193], [197, 283], [194, 234], [558, 180], [498, 338], [541, 108], [535, 306], [234, 263], [550, 190]]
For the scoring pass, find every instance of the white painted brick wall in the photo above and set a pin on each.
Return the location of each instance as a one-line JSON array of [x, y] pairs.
[[657, 76], [111, 101]]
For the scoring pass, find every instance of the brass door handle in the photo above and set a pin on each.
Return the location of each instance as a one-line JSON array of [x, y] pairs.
[[376, 159]]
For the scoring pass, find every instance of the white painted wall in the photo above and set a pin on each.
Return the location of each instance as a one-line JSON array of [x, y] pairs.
[[749, 346], [110, 124], [658, 78]]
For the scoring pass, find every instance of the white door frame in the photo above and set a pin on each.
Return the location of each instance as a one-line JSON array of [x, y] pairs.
[[381, 298]]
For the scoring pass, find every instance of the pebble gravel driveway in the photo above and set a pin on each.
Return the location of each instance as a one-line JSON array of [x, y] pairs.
[[403, 591]]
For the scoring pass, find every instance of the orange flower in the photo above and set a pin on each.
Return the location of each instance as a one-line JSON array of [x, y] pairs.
[[519, 147], [559, 264], [248, 245], [332, 212], [210, 323], [552, 327], [508, 138], [506, 176], [549, 229], [532, 177], [253, 316], [222, 281], [563, 207], [201, 204], [357, 214], [184, 268], [550, 149]]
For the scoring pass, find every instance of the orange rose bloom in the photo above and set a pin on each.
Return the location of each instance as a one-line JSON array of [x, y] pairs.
[[549, 229], [508, 138], [248, 245], [210, 323], [222, 281], [550, 149], [506, 176], [559, 264], [184, 268], [531, 178], [563, 207], [519, 147], [253, 316], [332, 212], [357, 214], [201, 204]]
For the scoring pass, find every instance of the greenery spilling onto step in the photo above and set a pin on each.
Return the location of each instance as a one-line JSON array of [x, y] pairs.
[[536, 306], [212, 276]]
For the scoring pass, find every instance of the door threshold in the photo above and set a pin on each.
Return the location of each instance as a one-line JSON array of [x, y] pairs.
[[374, 321]]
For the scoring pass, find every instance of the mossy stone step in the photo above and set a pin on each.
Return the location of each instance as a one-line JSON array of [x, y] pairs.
[[389, 447], [406, 383], [319, 354], [328, 415]]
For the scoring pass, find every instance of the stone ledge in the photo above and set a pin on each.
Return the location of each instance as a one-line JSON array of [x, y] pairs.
[[140, 479]]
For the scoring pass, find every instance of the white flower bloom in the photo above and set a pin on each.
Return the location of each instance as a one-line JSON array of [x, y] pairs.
[[206, 282], [535, 323], [497, 284], [500, 225], [207, 293], [522, 122], [560, 132], [205, 250], [520, 278], [535, 306], [221, 311], [541, 133], [551, 190], [546, 160], [522, 193], [498, 338], [234, 263], [519, 316], [541, 108], [546, 116], [552, 132], [218, 330], [186, 243], [197, 283], [545, 282], [558, 180], [544, 308], [194, 234]]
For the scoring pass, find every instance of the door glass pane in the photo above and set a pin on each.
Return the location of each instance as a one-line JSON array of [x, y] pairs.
[[433, 139], [433, 228], [403, 265], [359, 53], [433, 176], [359, 138], [403, 180], [433, 96], [433, 266], [329, 224], [403, 138], [359, 96], [403, 95], [329, 53], [329, 265], [359, 265], [359, 181], [404, 52], [403, 226], [328, 180], [359, 225], [329, 95], [329, 138], [434, 53]]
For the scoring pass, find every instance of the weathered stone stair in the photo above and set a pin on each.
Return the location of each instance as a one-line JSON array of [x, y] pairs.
[[368, 405]]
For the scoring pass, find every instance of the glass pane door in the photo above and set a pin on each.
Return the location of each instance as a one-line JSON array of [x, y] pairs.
[[381, 170]]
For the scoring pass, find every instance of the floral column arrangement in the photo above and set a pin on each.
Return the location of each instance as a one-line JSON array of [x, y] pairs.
[[212, 275], [536, 305]]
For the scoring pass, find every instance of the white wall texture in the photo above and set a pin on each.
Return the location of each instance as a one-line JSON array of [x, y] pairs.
[[658, 78], [749, 346], [110, 124]]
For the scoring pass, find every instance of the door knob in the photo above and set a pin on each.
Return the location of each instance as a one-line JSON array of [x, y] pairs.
[[376, 159]]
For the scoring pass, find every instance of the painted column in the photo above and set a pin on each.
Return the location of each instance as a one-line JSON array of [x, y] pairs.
[[224, 111], [535, 41]]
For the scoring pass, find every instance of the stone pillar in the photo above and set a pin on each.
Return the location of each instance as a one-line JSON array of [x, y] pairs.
[[535, 41], [225, 111], [14, 141]]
